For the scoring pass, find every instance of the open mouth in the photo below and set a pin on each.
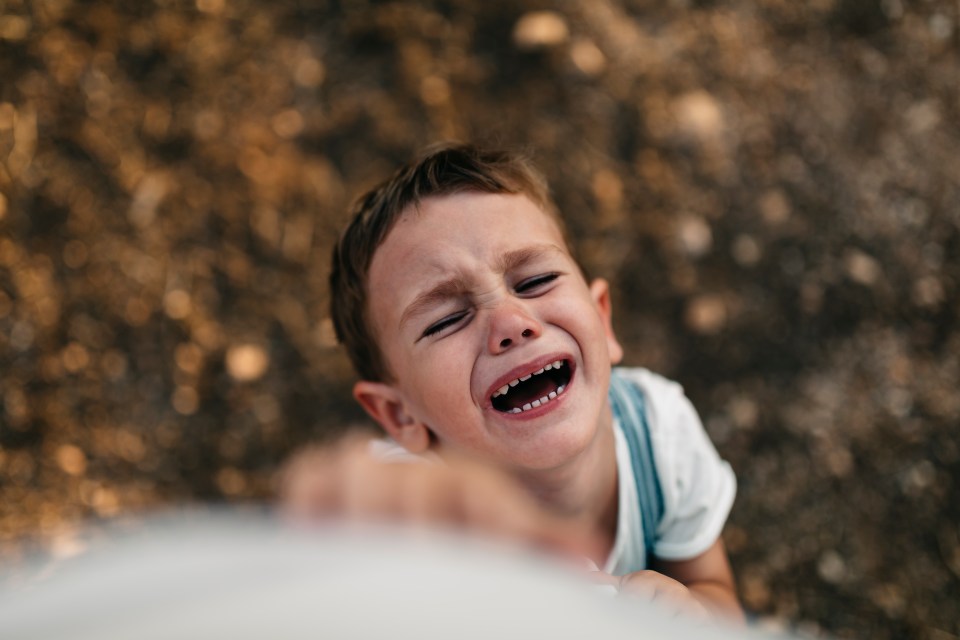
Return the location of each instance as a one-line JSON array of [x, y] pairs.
[[532, 390]]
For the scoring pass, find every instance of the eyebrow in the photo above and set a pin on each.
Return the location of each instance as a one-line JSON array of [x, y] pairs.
[[521, 257], [457, 284], [442, 291]]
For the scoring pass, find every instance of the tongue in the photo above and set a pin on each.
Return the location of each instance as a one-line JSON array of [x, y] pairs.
[[533, 389]]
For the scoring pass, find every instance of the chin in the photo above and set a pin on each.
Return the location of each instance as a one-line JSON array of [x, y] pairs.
[[555, 451]]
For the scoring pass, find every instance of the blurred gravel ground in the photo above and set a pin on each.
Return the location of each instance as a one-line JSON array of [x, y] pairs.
[[773, 187]]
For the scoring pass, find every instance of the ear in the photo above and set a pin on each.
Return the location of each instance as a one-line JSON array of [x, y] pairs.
[[386, 405], [600, 292]]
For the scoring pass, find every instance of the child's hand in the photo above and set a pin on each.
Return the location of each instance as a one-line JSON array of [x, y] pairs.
[[669, 594], [665, 591], [345, 482]]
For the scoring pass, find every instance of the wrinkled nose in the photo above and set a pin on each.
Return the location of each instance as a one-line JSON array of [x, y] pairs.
[[510, 324]]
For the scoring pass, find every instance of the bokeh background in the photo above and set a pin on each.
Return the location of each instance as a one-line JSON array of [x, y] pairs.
[[773, 188]]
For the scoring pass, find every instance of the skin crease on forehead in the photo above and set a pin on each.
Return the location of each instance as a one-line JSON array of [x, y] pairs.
[[468, 291]]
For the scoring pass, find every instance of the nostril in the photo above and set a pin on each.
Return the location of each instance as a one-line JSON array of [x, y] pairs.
[[505, 343], [527, 333]]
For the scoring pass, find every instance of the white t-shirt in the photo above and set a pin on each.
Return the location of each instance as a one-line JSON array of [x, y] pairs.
[[698, 487]]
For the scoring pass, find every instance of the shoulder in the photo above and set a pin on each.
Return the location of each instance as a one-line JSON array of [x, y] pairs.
[[698, 487], [665, 398], [652, 384]]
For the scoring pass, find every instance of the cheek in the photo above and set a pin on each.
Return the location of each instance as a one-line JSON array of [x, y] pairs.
[[441, 380], [588, 328]]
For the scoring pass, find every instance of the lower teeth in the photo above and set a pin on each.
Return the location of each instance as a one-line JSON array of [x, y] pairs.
[[537, 403]]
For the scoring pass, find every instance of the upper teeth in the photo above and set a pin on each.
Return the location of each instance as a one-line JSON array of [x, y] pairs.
[[502, 390]]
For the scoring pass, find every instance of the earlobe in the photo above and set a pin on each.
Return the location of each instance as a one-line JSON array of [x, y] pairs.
[[600, 292], [385, 404]]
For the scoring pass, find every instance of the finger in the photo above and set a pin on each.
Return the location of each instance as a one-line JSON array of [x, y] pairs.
[[318, 480], [641, 584], [307, 483]]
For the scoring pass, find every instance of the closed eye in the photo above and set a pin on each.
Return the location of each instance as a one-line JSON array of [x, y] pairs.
[[445, 323], [532, 285]]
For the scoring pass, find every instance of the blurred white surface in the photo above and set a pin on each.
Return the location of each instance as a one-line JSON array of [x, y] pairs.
[[239, 576]]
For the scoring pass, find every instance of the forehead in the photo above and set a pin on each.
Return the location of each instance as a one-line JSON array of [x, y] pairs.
[[469, 221]]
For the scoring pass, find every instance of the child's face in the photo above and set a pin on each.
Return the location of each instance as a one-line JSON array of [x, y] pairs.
[[469, 294]]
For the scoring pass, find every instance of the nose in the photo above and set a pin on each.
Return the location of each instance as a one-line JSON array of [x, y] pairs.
[[511, 324]]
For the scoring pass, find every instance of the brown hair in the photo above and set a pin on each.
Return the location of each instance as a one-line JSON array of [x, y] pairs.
[[441, 170]]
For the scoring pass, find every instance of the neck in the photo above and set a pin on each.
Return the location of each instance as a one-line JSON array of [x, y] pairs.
[[584, 489]]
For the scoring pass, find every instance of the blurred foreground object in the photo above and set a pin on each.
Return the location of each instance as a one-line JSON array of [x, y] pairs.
[[247, 576], [350, 481]]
